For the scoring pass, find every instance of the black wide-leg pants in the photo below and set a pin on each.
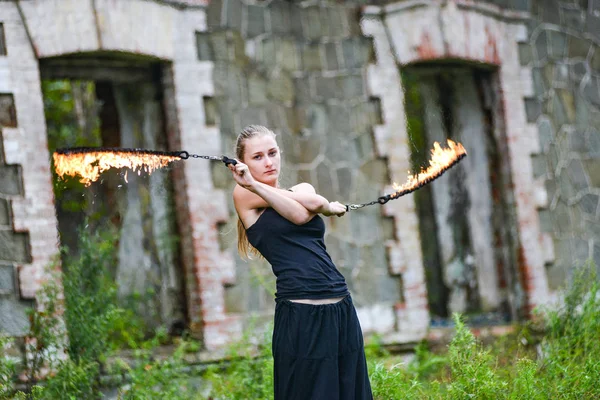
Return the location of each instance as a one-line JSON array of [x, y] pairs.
[[318, 352]]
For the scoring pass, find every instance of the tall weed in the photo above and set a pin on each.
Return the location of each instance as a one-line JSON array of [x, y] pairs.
[[152, 379], [8, 367], [96, 323], [248, 373], [426, 365], [570, 351], [89, 309], [567, 365], [73, 380], [44, 342], [394, 382]]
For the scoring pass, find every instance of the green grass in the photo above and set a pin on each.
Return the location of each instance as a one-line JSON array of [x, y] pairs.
[[559, 359]]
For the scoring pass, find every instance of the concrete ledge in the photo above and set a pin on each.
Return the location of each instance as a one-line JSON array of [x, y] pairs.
[[487, 9]]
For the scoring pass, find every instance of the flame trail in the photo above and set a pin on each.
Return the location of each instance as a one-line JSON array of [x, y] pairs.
[[441, 160], [89, 163]]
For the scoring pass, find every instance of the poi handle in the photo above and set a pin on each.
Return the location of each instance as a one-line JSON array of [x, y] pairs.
[[384, 199], [228, 161]]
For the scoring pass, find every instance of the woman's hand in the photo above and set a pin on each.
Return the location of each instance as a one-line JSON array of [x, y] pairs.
[[242, 175], [335, 208]]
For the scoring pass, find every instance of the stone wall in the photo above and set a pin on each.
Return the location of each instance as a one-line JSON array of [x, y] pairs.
[[14, 247], [39, 29], [28, 233], [563, 51], [299, 68], [309, 70], [564, 54]]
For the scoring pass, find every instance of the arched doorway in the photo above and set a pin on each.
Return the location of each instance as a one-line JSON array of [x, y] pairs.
[[114, 100]]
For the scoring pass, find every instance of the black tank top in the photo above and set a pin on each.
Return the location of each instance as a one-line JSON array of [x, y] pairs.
[[297, 254]]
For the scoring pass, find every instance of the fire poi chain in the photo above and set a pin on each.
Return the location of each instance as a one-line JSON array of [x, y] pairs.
[[88, 163]]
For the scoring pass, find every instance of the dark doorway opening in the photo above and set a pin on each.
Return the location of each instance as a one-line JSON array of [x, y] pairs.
[[467, 218], [116, 101]]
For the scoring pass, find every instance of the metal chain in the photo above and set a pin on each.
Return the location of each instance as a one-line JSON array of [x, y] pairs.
[[215, 158], [185, 155], [350, 207], [381, 200], [384, 199]]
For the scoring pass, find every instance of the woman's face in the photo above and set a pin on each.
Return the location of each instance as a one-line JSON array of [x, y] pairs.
[[261, 155]]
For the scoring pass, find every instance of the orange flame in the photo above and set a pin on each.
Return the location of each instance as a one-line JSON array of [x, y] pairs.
[[441, 160], [90, 164]]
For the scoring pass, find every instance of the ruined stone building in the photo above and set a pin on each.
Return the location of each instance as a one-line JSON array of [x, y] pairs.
[[357, 92]]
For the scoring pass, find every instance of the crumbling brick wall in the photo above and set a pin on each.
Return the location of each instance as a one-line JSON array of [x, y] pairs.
[[309, 70]]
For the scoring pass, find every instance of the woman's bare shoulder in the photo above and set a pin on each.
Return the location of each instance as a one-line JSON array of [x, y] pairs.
[[241, 195], [239, 192], [243, 199]]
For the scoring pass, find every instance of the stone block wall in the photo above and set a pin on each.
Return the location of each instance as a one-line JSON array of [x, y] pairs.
[[299, 68], [47, 28], [28, 234], [309, 71], [560, 55], [478, 34], [14, 246], [563, 51]]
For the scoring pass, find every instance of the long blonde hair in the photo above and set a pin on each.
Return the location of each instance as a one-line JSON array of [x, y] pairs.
[[245, 249]]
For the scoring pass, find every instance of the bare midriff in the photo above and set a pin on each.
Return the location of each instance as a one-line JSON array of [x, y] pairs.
[[319, 301]]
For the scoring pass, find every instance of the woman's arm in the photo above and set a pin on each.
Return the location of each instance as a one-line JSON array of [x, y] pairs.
[[284, 203], [304, 193], [251, 195]]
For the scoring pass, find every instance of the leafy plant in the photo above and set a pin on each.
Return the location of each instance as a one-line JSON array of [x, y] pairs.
[[426, 364], [570, 351], [566, 365], [72, 381], [394, 383], [473, 375], [8, 367], [158, 379], [95, 321], [43, 342], [249, 372]]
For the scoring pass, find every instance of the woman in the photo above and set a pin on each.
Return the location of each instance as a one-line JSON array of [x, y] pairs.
[[317, 340]]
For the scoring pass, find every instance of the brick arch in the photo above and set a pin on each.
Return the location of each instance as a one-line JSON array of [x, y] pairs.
[[412, 32], [164, 30], [56, 28]]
